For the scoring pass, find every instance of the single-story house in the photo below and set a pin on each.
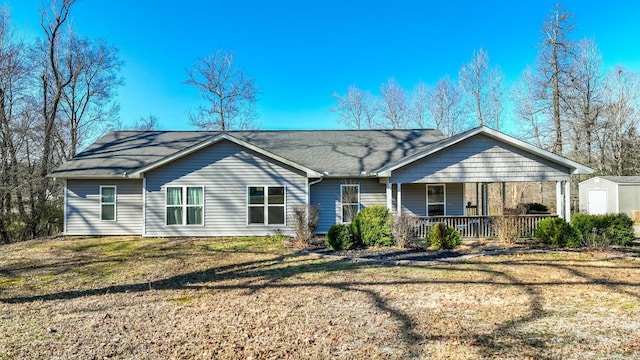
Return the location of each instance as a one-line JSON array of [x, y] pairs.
[[610, 195], [211, 183]]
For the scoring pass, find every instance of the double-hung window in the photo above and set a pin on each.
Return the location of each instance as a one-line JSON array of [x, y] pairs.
[[436, 200], [185, 205], [108, 203], [350, 201], [266, 205]]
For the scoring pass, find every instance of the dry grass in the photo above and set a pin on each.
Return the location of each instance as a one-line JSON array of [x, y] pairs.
[[251, 298]]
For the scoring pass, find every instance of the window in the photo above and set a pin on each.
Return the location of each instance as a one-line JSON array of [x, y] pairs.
[[350, 199], [185, 205], [269, 209], [435, 200], [108, 203]]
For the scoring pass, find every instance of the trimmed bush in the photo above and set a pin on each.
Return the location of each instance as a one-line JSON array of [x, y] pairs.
[[442, 236], [604, 229], [372, 226], [339, 238], [557, 232]]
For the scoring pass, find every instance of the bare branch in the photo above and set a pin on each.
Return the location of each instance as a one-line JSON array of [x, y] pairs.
[[229, 94]]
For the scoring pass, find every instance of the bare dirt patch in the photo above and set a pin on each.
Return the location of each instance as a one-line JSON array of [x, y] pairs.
[[252, 298]]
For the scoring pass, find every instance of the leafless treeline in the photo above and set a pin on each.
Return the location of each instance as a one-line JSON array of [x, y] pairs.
[[566, 102], [56, 93], [448, 106]]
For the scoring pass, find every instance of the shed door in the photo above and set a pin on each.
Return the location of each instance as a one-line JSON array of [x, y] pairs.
[[597, 204]]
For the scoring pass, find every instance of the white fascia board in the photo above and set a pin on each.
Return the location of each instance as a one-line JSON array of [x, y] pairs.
[[577, 168], [218, 138]]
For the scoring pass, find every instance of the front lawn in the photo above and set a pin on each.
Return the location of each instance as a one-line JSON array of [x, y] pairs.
[[251, 298]]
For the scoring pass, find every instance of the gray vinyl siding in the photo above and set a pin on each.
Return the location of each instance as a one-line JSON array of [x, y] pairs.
[[83, 208], [414, 199], [598, 184], [326, 195], [455, 199], [225, 169], [480, 159]]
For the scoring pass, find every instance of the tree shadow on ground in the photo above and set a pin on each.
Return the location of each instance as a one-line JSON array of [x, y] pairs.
[[274, 271]]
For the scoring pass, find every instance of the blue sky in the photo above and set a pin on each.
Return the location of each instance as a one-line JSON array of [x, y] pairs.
[[300, 52]]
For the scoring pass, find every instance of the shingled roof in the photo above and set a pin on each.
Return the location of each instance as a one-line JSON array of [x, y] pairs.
[[622, 179], [332, 152]]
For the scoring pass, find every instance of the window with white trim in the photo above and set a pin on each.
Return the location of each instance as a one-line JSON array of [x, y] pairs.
[[184, 205], [266, 205], [436, 200], [108, 203], [350, 201]]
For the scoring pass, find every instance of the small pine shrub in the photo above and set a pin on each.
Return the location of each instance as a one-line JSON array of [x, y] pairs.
[[611, 228], [372, 226], [339, 238], [557, 232], [442, 236], [621, 229]]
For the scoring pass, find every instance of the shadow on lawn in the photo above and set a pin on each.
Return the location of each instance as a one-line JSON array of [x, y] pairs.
[[270, 273]]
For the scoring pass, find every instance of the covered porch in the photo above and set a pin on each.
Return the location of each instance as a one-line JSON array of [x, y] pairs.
[[435, 185], [468, 208]]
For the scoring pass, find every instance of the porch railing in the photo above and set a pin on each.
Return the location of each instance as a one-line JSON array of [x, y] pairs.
[[477, 226]]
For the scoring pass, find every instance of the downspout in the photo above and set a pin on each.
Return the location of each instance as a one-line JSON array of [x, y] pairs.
[[309, 188]]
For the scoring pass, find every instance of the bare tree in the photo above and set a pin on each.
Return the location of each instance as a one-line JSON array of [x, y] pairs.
[[419, 102], [357, 109], [148, 123], [473, 78], [530, 111], [88, 103], [495, 101], [230, 95], [583, 101], [484, 87], [445, 108], [394, 105], [554, 66], [622, 108], [13, 75], [53, 68]]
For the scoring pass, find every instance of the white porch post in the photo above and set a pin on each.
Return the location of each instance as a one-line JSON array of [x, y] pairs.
[[559, 198], [389, 196], [399, 199], [485, 199], [567, 200], [478, 208]]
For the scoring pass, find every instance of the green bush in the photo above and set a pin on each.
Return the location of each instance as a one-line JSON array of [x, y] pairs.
[[610, 228], [557, 232], [442, 236], [372, 226], [339, 238]]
